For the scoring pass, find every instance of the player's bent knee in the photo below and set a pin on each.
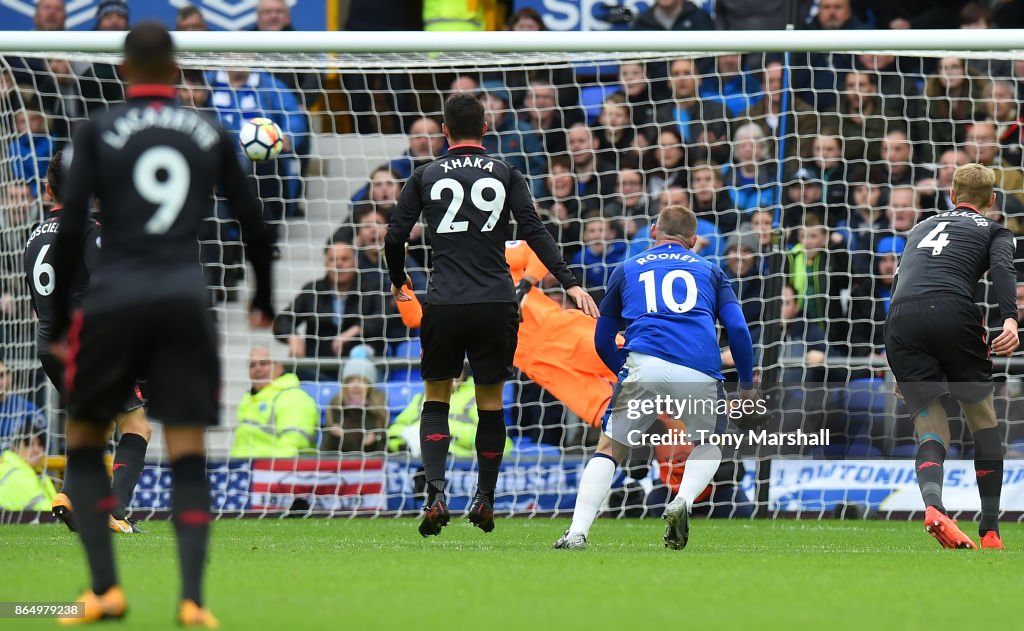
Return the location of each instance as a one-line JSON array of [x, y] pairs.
[[612, 448], [184, 441], [440, 390], [981, 414], [135, 422], [489, 397], [81, 433]]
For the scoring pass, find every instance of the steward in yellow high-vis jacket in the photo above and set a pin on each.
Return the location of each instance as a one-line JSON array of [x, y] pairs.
[[276, 418], [21, 487]]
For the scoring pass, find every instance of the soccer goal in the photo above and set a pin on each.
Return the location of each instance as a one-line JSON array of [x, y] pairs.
[[807, 156]]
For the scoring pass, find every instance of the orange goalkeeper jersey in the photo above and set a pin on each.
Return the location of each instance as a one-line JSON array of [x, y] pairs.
[[556, 346]]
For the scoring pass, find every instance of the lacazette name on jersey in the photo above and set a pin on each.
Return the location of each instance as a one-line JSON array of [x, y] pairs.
[[177, 119]]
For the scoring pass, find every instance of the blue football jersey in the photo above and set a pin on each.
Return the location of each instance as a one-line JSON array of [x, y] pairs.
[[668, 299]]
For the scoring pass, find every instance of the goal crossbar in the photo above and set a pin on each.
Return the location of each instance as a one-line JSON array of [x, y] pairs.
[[1002, 40]]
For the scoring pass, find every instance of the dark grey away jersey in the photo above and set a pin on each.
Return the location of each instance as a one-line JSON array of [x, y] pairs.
[[153, 167], [39, 274], [467, 199], [948, 253]]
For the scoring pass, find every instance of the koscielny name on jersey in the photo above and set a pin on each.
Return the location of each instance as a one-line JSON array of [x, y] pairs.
[[44, 228], [173, 118], [468, 161], [667, 256]]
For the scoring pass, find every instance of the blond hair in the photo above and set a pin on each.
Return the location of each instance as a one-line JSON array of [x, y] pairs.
[[973, 183], [677, 221]]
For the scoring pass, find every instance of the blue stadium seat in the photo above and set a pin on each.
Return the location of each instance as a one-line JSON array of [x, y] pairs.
[[322, 393], [525, 446], [866, 395], [399, 394], [410, 349], [591, 99], [508, 400]]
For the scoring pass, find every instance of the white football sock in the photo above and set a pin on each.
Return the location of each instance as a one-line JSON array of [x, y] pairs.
[[594, 487], [701, 466]]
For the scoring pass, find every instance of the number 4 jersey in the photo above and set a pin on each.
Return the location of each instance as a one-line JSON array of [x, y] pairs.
[[39, 274], [467, 199], [948, 253]]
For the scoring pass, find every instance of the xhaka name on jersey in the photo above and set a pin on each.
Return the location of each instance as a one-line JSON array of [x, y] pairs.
[[468, 161], [174, 118]]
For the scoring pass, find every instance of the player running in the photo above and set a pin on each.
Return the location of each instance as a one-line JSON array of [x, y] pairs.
[[935, 341], [667, 299], [153, 166], [130, 456], [466, 198]]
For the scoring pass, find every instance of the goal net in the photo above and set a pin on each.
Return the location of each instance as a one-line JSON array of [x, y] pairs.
[[805, 170]]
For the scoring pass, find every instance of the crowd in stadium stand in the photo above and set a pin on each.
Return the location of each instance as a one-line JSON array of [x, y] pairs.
[[846, 162]]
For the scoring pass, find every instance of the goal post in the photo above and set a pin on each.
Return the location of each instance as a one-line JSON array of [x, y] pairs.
[[806, 182]]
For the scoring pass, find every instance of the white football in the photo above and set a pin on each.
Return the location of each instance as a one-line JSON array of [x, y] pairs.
[[261, 139]]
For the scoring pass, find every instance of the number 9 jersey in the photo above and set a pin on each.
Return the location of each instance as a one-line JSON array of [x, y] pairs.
[[668, 298]]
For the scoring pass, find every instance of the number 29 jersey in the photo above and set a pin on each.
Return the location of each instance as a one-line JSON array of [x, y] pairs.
[[668, 298], [467, 199], [948, 253]]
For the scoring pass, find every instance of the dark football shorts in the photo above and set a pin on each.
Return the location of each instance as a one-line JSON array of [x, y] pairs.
[[486, 333], [54, 370], [938, 345], [171, 343]]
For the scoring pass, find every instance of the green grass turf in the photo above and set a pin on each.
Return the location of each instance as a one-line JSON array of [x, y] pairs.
[[379, 574]]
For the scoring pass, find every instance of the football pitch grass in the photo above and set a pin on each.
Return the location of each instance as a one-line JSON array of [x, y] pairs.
[[380, 574]]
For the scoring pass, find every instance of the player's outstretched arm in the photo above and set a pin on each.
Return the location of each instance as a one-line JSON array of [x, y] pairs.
[[69, 242], [740, 343], [1004, 283], [403, 218], [257, 243], [730, 314], [609, 323], [532, 231]]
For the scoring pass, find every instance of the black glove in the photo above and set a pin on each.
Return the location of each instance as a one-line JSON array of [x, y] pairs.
[[522, 289]]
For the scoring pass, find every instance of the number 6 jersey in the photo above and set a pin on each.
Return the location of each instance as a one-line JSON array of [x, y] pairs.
[[39, 275], [948, 253], [466, 199]]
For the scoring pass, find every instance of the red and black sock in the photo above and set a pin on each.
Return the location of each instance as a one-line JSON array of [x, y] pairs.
[[490, 446], [93, 501], [129, 459], [931, 454], [435, 438], [190, 505], [988, 469]]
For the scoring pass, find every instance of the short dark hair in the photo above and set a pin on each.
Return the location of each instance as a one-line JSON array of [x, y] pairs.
[[55, 176], [188, 11], [149, 49], [464, 116], [677, 221], [194, 76]]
